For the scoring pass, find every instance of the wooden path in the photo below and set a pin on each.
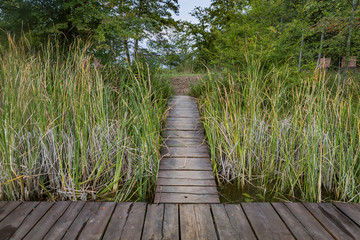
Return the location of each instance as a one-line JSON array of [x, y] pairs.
[[109, 220], [185, 174]]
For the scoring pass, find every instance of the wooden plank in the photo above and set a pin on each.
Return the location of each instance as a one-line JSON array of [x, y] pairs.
[[96, 225], [184, 114], [87, 211], [181, 142], [185, 182], [265, 221], [239, 221], [185, 198], [196, 222], [47, 221], [184, 127], [12, 222], [203, 175], [313, 227], [2, 204], [334, 221], [32, 219], [171, 222], [185, 164], [117, 221], [187, 189], [7, 209], [183, 134], [64, 222], [224, 227], [350, 210], [180, 152], [293, 224], [134, 224], [153, 222], [179, 121]]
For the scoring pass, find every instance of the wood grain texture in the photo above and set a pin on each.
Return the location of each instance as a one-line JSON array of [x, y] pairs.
[[185, 198], [334, 221], [12, 222], [196, 222], [47, 221], [96, 225], [265, 221], [313, 227], [200, 164], [31, 220]]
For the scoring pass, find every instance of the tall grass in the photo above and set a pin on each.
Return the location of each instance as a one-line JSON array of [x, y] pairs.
[[295, 137], [68, 133]]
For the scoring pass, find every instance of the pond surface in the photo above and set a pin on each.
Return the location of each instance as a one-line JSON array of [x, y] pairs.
[[232, 193]]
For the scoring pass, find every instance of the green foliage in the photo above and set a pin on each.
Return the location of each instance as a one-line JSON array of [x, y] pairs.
[[294, 136], [70, 131]]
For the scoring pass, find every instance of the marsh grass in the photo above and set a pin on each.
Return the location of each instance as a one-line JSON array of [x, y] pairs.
[[292, 136], [66, 133]]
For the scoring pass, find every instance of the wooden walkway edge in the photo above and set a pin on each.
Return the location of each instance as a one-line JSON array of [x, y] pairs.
[[109, 220], [185, 174]]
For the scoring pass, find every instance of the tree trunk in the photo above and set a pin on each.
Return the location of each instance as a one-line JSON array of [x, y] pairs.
[[348, 43], [301, 50], [136, 48], [126, 45], [321, 44]]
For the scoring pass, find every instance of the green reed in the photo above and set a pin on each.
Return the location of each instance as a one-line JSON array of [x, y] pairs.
[[296, 137], [67, 132]]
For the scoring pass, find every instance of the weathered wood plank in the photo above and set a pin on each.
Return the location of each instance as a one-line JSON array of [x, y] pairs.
[[31, 220], [350, 210], [334, 221], [12, 222], [117, 221], [187, 189], [185, 164], [181, 152], [2, 204], [153, 222], [184, 127], [64, 222], [203, 175], [86, 212], [196, 222], [185, 198], [224, 227], [179, 121], [6, 210], [47, 221], [239, 221], [134, 224], [265, 221], [184, 134], [294, 225], [313, 227], [96, 225], [185, 182], [183, 114], [182, 142], [171, 222]]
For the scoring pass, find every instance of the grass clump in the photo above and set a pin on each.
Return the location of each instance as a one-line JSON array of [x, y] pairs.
[[294, 136], [68, 133]]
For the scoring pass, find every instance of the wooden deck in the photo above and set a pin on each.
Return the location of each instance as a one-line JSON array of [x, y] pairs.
[[109, 220], [185, 174]]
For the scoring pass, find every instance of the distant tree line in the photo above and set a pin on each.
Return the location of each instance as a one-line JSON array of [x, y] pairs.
[[116, 26]]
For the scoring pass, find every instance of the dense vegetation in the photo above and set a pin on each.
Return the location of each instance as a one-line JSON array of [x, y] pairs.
[[81, 107], [70, 131], [295, 137]]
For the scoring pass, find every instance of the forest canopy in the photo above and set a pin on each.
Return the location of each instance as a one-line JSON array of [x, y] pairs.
[[299, 31]]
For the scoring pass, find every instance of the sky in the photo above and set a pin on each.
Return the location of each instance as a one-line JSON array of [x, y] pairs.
[[186, 6]]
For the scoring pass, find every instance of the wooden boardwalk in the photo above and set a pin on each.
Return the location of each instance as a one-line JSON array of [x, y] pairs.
[[109, 220], [185, 174]]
